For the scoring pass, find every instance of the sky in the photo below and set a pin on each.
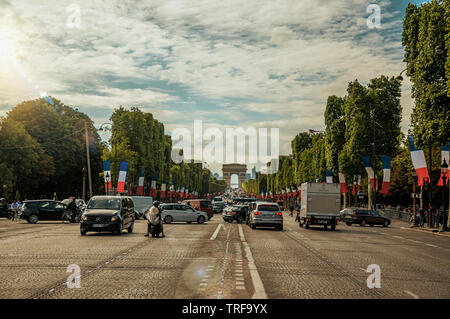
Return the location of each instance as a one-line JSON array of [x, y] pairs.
[[269, 64]]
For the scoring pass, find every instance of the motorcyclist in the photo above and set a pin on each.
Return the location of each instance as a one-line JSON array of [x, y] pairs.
[[153, 216]]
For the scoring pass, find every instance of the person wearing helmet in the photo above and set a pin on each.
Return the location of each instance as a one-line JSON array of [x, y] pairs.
[[153, 216]]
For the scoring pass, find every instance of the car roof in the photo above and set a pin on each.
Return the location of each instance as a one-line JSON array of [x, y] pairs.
[[110, 196]]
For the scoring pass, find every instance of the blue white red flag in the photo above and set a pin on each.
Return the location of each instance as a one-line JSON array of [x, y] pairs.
[[329, 176], [122, 177], [386, 174], [418, 160]]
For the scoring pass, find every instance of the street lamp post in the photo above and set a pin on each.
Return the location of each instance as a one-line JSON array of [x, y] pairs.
[[426, 184], [414, 178], [83, 171], [107, 179], [355, 190], [444, 169]]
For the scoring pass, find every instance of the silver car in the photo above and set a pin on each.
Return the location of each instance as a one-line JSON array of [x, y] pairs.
[[182, 213], [267, 215]]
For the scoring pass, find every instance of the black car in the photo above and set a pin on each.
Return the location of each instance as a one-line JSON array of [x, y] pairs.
[[235, 212], [218, 207], [108, 213], [43, 209], [364, 217]]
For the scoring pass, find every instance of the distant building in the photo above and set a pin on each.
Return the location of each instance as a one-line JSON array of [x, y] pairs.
[[253, 176], [248, 176], [217, 176]]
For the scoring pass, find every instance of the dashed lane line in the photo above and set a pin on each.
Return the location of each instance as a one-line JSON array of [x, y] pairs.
[[216, 232], [412, 294], [260, 292]]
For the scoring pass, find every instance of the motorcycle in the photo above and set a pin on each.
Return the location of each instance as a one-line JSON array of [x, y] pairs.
[[154, 230]]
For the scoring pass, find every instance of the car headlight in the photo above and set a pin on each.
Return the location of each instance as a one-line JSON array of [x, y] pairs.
[[114, 218], [84, 218]]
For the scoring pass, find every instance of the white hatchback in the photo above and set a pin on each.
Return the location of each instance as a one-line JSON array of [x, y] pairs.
[[182, 213]]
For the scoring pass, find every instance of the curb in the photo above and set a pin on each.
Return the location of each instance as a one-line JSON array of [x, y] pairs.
[[426, 231]]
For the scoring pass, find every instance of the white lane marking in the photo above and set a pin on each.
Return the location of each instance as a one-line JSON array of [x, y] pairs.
[[432, 245], [399, 237], [362, 269], [216, 232], [260, 292], [411, 294]]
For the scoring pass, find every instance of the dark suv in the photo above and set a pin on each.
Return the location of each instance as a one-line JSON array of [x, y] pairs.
[[108, 213], [364, 217], [235, 212], [44, 209]]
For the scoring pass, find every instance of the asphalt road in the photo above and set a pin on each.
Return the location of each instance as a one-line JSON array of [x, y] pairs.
[[222, 260]]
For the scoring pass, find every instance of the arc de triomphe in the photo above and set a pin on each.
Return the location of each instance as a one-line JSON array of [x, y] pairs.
[[230, 169]]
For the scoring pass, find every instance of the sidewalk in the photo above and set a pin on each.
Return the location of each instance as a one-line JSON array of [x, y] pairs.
[[434, 231]]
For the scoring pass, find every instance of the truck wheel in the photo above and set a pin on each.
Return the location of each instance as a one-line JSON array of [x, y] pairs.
[[300, 224], [306, 226], [363, 223], [82, 232], [333, 227], [386, 224], [33, 219], [325, 227], [252, 226], [348, 224]]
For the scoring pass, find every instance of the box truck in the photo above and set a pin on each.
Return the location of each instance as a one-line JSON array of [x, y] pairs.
[[321, 204]]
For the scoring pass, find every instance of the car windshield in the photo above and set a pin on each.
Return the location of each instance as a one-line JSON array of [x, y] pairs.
[[104, 203]]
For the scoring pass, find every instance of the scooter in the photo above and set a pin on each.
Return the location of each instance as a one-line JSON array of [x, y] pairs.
[[154, 230]]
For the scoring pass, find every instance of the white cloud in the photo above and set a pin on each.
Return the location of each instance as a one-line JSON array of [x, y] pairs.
[[278, 59]]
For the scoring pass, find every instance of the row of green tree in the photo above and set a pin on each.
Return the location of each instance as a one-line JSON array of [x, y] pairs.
[[367, 120], [139, 139], [43, 151]]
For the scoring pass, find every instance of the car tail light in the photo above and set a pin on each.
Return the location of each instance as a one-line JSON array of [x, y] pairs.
[[337, 220], [307, 219], [354, 213], [279, 214], [233, 213], [257, 213]]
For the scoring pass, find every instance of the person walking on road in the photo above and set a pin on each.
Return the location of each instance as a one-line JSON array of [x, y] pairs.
[[291, 209], [420, 217]]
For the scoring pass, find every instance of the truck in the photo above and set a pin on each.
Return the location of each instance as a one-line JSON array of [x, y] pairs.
[[320, 205]]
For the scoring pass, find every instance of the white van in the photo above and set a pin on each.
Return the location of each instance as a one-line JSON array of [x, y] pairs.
[[141, 203]]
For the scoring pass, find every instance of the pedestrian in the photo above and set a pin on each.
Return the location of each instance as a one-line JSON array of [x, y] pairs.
[[420, 217], [291, 209], [14, 210]]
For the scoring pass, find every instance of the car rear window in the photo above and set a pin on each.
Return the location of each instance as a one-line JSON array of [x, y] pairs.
[[268, 208], [206, 204]]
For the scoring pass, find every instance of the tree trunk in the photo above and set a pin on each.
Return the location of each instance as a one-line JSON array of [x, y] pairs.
[[345, 200], [370, 195]]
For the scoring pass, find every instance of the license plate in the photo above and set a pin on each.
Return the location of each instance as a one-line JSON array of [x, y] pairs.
[[99, 225], [322, 221]]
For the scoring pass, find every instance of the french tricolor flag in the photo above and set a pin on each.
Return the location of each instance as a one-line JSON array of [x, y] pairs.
[[329, 176], [107, 172], [386, 174], [299, 190], [343, 183], [445, 156], [163, 191], [369, 169], [122, 177], [153, 186], [419, 163], [140, 190]]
